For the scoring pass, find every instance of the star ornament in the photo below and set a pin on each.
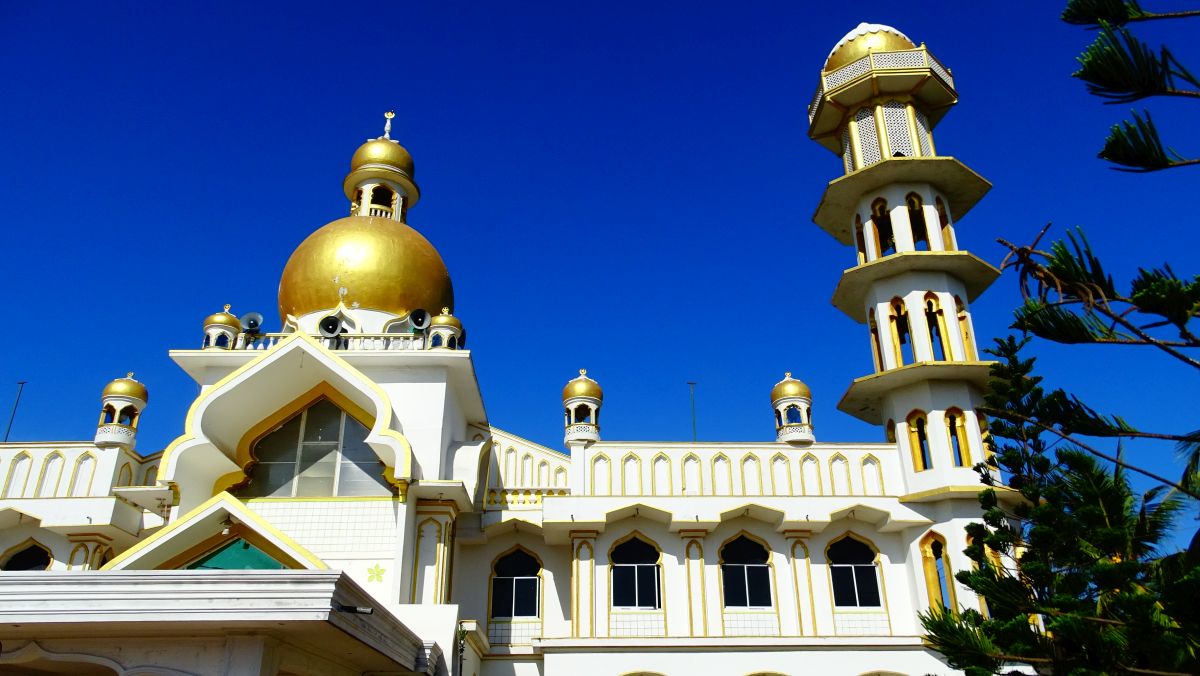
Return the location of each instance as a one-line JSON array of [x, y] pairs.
[[375, 573]]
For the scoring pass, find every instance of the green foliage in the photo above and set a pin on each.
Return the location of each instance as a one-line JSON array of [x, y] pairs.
[[1122, 68], [1137, 147], [1093, 12]]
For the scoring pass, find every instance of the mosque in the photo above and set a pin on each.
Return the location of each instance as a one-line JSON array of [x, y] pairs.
[[338, 502]]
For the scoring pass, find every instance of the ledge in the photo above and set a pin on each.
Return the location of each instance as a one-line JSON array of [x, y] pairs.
[[975, 274], [864, 398], [962, 187], [725, 643]]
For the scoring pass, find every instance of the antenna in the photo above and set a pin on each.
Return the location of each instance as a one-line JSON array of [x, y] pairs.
[[692, 391], [20, 388]]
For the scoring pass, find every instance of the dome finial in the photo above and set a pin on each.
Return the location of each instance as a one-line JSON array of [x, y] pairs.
[[387, 126], [129, 375], [583, 372], [787, 374]]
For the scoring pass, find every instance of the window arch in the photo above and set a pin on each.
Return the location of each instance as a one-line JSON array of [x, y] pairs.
[[985, 436], [745, 574], [876, 350], [956, 433], [860, 240], [516, 586], [82, 475], [29, 555], [322, 452], [127, 417], [382, 196], [109, 414], [918, 439], [916, 220], [793, 415], [935, 322], [636, 577], [52, 470], [436, 340], [939, 578], [124, 476], [902, 347], [853, 573], [18, 476], [964, 329], [885, 238], [944, 221], [889, 431]]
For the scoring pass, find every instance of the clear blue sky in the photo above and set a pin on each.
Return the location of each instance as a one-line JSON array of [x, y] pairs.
[[625, 187]]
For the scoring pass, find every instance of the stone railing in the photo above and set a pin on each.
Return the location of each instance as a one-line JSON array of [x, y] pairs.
[[115, 433], [380, 342], [879, 61], [519, 498]]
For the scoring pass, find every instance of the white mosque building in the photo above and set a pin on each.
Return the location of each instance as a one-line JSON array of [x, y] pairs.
[[338, 502]]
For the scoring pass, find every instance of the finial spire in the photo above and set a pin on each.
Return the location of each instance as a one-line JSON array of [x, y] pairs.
[[583, 372], [227, 306], [787, 374], [387, 125], [129, 375]]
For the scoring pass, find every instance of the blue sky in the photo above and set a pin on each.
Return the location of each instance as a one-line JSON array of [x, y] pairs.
[[625, 187]]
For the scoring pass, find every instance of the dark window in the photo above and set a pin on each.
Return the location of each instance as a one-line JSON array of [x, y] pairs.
[[109, 414], [745, 574], [923, 442], [937, 342], [852, 568], [793, 415], [382, 196], [515, 586], [943, 576], [222, 340], [436, 341], [952, 423], [32, 557], [916, 216], [884, 237], [635, 582]]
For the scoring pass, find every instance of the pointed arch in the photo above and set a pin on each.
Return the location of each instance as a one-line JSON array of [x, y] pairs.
[[560, 477], [948, 243], [28, 554], [17, 478], [918, 440], [939, 577], [527, 477], [82, 475], [872, 475], [660, 474], [935, 323], [631, 474], [839, 475], [50, 476], [124, 476], [916, 220], [854, 571], [78, 558], [747, 576], [543, 473], [956, 437], [860, 240], [885, 238], [876, 349], [751, 471], [810, 475], [691, 479], [781, 475], [964, 330], [601, 475], [722, 475], [901, 330], [510, 475], [151, 476]]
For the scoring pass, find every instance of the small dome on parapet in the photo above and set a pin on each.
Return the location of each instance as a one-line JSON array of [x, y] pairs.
[[866, 38]]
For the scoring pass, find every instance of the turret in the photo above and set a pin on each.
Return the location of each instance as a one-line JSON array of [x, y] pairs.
[[221, 330], [121, 406], [380, 183], [445, 331], [792, 401], [582, 399]]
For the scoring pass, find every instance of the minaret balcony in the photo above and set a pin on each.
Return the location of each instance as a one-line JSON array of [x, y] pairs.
[[864, 399], [379, 211], [975, 274], [961, 187], [798, 433], [374, 342], [115, 434], [583, 432], [910, 72]]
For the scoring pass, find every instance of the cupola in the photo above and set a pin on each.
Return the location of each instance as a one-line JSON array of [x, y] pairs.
[[445, 331], [221, 330], [582, 398], [380, 183], [792, 401], [121, 406]]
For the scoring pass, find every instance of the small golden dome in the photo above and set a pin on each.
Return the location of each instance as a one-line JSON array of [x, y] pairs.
[[583, 386], [446, 319], [365, 262], [126, 387], [867, 37], [223, 318], [382, 151], [789, 387]]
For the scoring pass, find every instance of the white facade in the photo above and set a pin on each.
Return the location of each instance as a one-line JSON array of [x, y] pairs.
[[338, 502]]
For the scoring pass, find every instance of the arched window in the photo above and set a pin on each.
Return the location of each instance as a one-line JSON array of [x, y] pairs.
[[885, 239], [125, 476], [956, 432], [516, 587], [947, 232], [876, 351], [793, 415], [127, 417], [935, 321], [222, 340], [901, 333], [635, 575], [939, 578], [32, 557], [745, 575], [320, 453], [436, 340], [452, 343], [381, 195], [918, 438], [853, 574], [81, 476], [110, 414], [860, 241], [52, 470], [889, 431], [964, 329], [583, 414], [916, 219], [18, 476]]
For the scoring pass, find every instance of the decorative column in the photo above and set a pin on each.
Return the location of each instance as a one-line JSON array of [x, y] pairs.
[[806, 609], [693, 553], [434, 534], [583, 583]]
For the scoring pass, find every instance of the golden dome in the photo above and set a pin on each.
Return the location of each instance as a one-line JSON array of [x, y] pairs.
[[382, 151], [366, 262], [224, 319], [583, 386], [789, 387], [446, 319], [867, 37], [126, 387]]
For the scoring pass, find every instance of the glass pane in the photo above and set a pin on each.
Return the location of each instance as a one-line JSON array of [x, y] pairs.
[[270, 480], [517, 564], [647, 586], [280, 445], [324, 422], [526, 597], [758, 583], [236, 555], [734, 582], [502, 597], [318, 463], [354, 447], [635, 551], [868, 587], [849, 550], [624, 595], [843, 586], [744, 550], [364, 479]]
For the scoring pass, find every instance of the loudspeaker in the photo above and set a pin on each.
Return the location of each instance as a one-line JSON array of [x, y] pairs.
[[251, 322], [331, 327], [419, 319]]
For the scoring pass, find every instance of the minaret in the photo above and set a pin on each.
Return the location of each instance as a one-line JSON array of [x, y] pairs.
[[879, 98], [380, 182], [792, 401], [121, 406], [582, 399], [221, 330]]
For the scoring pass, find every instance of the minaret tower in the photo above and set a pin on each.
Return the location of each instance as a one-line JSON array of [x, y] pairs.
[[121, 406], [878, 100]]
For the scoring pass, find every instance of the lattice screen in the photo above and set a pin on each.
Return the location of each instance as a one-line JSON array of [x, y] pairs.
[[895, 121], [923, 134], [868, 137], [889, 60], [847, 73], [847, 154]]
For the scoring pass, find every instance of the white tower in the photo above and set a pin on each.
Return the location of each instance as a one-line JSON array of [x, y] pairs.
[[445, 331], [879, 98], [792, 401], [582, 399], [121, 406]]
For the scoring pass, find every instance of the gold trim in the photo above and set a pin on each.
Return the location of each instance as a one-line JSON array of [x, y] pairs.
[[933, 589], [820, 482], [774, 582], [862, 466], [637, 461], [12, 473], [37, 487], [662, 581], [654, 474], [746, 459], [879, 576], [541, 616], [833, 478], [787, 467], [712, 464], [22, 546], [600, 455], [683, 483]]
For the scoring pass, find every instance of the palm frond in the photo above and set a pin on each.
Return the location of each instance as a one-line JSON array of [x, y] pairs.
[[1136, 145]]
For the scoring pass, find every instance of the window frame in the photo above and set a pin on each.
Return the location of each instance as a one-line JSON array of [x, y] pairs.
[[638, 572], [856, 569]]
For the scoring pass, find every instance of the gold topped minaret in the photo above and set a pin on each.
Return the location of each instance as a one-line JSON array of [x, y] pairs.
[[879, 97]]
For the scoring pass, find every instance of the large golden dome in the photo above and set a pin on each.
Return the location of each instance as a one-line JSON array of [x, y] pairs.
[[790, 387], [866, 38], [583, 386], [380, 264]]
